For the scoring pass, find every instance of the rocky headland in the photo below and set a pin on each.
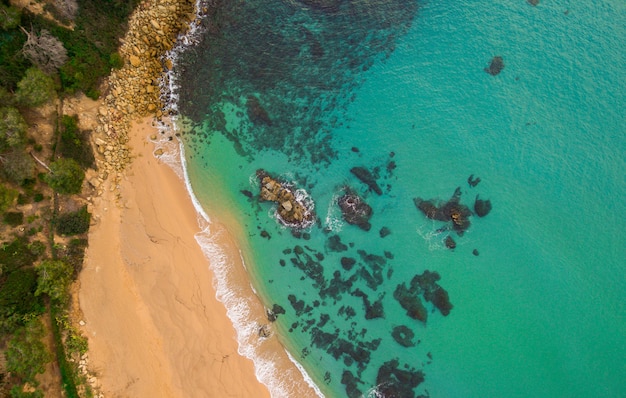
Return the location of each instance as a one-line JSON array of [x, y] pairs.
[[133, 91]]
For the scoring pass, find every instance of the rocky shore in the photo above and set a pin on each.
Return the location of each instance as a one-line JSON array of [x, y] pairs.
[[133, 91]]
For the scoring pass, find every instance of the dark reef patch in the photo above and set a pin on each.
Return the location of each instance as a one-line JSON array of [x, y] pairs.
[[495, 66], [367, 177], [424, 285], [403, 335], [396, 382]]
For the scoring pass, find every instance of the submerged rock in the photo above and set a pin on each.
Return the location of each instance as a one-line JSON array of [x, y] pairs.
[[256, 113], [367, 177], [482, 207], [384, 231], [449, 242], [403, 335], [396, 382], [473, 181], [496, 66]]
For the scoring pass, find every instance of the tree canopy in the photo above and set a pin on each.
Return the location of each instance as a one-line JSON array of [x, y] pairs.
[[54, 279], [26, 354], [35, 89], [12, 128], [66, 177]]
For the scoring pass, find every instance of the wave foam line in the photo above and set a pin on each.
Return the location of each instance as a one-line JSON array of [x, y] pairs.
[[239, 306]]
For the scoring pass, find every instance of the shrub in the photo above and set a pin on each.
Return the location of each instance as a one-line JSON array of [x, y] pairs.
[[74, 223], [12, 61], [35, 89], [54, 280], [26, 354], [13, 218], [75, 143], [75, 254], [16, 254], [17, 166], [66, 176], [7, 197], [10, 17], [12, 128], [17, 295]]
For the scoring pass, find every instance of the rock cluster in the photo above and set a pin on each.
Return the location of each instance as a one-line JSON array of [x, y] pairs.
[[133, 91], [424, 285], [452, 210], [291, 211]]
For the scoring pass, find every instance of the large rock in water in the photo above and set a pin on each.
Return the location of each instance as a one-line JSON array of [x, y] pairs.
[[452, 210], [355, 211], [291, 211], [367, 177]]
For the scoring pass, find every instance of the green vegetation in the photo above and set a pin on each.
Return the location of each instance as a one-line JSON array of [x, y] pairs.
[[7, 197], [13, 218], [74, 143], [12, 128], [42, 62], [35, 89], [73, 223], [26, 354], [54, 280], [66, 176]]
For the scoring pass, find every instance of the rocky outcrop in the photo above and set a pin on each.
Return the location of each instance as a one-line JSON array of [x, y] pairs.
[[133, 91], [291, 211], [451, 211], [354, 210]]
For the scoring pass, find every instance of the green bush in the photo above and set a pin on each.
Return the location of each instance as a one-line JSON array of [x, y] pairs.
[[66, 176], [26, 354], [13, 218], [35, 89], [7, 197], [16, 254], [13, 64], [74, 223], [75, 253], [10, 17], [18, 392], [75, 143], [54, 280], [12, 128], [17, 294], [37, 197], [116, 61], [18, 167]]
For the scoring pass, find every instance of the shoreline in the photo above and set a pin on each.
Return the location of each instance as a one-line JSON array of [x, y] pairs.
[[152, 298], [153, 323]]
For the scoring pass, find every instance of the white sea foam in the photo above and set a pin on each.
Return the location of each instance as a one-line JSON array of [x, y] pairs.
[[334, 220], [239, 304]]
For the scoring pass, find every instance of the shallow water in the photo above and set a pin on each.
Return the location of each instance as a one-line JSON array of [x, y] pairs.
[[307, 93]]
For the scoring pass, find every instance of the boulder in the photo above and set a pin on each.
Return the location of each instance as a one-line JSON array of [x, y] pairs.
[[355, 211]]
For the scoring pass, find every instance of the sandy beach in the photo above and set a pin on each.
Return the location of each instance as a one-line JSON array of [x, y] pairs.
[[154, 325]]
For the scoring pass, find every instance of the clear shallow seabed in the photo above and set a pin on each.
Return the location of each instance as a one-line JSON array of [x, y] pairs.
[[308, 89]]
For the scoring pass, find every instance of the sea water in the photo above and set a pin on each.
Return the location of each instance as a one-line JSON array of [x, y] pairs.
[[307, 90]]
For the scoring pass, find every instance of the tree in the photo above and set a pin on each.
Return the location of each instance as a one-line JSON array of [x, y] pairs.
[[12, 128], [17, 166], [26, 354], [35, 89], [44, 50], [9, 17], [66, 176], [54, 279]]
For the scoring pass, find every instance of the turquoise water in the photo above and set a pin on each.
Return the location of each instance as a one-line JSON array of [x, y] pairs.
[[402, 90]]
